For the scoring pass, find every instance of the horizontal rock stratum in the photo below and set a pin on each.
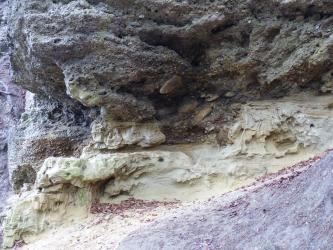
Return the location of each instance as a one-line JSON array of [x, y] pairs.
[[157, 100], [292, 211], [132, 57]]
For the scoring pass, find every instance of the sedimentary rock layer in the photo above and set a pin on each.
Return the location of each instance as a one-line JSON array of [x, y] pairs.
[[294, 211], [156, 99], [140, 60]]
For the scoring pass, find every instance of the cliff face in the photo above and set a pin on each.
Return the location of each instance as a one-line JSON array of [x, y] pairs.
[[11, 106], [156, 99], [140, 61]]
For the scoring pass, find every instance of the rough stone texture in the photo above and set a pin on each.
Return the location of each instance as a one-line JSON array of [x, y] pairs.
[[264, 138], [46, 128], [34, 212], [285, 126], [64, 184], [140, 60], [222, 74], [293, 211], [118, 167], [116, 135], [11, 106]]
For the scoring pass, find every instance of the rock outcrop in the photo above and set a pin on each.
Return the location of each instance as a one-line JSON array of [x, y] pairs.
[[11, 106], [46, 128], [35, 212], [265, 138], [293, 211], [155, 99], [140, 60], [117, 135]]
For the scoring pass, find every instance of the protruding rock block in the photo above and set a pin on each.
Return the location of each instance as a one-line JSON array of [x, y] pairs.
[[116, 135]]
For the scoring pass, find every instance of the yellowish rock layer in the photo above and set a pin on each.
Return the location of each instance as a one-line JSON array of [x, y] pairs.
[[266, 137]]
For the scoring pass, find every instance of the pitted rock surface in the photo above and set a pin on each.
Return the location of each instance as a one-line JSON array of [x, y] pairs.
[[161, 99], [135, 59], [46, 128], [11, 107]]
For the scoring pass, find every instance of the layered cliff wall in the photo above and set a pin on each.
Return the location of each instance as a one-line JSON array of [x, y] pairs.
[[156, 100]]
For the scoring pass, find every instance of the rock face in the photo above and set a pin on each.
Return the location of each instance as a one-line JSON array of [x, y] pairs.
[[11, 106], [156, 99], [4, 180], [265, 138], [35, 212], [113, 167], [139, 60], [293, 212], [116, 135], [47, 128]]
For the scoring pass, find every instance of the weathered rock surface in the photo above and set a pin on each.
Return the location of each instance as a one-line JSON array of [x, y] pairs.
[[11, 106], [136, 59], [114, 167], [116, 135], [157, 99], [294, 211], [285, 126], [264, 138], [34, 212], [65, 186], [46, 128]]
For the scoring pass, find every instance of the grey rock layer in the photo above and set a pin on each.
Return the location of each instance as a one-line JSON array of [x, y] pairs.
[[11, 105], [124, 56], [46, 128]]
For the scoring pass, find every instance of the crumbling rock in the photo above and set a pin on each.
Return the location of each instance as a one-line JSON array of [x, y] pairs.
[[46, 128], [116, 135], [120, 166], [24, 216], [120, 54], [11, 106], [217, 82]]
